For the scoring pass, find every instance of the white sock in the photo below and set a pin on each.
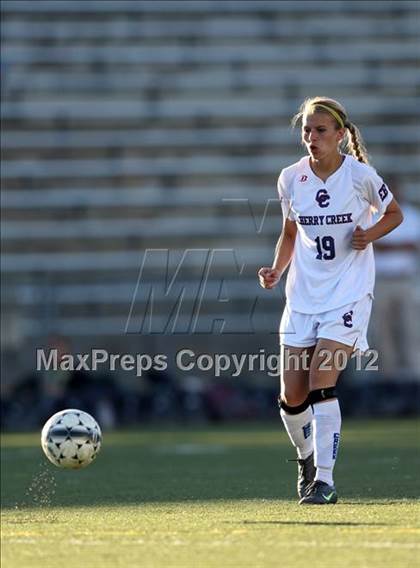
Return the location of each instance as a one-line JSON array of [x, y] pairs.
[[327, 426], [299, 428]]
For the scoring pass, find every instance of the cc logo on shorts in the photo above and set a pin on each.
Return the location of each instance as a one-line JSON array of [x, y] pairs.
[[322, 198], [348, 319]]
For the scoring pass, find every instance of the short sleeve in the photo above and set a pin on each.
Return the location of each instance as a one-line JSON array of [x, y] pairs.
[[376, 192], [284, 195]]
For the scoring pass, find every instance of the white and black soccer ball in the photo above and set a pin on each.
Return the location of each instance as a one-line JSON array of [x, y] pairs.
[[71, 439]]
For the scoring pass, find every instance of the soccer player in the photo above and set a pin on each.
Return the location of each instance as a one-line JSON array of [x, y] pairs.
[[327, 201]]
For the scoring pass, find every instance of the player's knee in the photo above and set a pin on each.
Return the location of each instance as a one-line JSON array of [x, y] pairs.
[[293, 404], [320, 379]]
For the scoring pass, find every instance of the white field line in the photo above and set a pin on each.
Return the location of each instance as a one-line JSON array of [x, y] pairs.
[[228, 542]]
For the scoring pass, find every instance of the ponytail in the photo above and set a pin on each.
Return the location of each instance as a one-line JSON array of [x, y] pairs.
[[355, 144]]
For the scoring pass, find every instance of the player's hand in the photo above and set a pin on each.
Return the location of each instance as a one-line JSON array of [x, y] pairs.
[[360, 239], [268, 277]]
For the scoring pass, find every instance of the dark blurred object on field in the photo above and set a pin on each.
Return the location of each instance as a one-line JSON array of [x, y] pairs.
[[395, 323], [42, 393]]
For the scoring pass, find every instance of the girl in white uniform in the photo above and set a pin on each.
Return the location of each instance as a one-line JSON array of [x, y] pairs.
[[328, 198]]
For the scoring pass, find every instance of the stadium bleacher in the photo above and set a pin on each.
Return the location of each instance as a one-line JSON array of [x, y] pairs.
[[134, 125]]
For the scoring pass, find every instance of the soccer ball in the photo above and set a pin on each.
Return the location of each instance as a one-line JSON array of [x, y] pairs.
[[71, 439]]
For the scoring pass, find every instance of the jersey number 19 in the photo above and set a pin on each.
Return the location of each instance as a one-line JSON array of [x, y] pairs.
[[325, 248]]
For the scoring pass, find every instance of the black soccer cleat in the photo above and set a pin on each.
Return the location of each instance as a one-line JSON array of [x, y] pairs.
[[319, 493], [306, 474]]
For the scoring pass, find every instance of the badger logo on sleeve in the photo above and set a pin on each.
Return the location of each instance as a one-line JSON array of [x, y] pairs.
[[348, 319], [383, 192], [322, 198]]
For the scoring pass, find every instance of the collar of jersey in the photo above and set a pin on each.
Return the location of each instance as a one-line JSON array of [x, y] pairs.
[[315, 177]]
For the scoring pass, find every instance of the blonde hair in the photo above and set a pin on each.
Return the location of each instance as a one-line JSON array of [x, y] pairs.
[[352, 142]]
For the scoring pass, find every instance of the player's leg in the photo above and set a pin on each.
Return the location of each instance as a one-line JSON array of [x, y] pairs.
[[339, 332], [325, 368], [296, 411], [298, 340]]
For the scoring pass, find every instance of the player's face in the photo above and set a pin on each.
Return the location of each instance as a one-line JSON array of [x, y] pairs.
[[320, 135]]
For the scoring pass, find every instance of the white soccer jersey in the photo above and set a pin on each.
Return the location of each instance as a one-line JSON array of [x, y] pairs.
[[325, 272]]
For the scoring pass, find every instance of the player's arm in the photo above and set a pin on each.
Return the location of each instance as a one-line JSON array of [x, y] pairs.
[[269, 277], [388, 222]]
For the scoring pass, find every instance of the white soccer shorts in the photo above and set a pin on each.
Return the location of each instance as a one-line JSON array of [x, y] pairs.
[[347, 324]]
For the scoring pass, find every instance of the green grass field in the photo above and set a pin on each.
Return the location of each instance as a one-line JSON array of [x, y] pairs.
[[212, 497]]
